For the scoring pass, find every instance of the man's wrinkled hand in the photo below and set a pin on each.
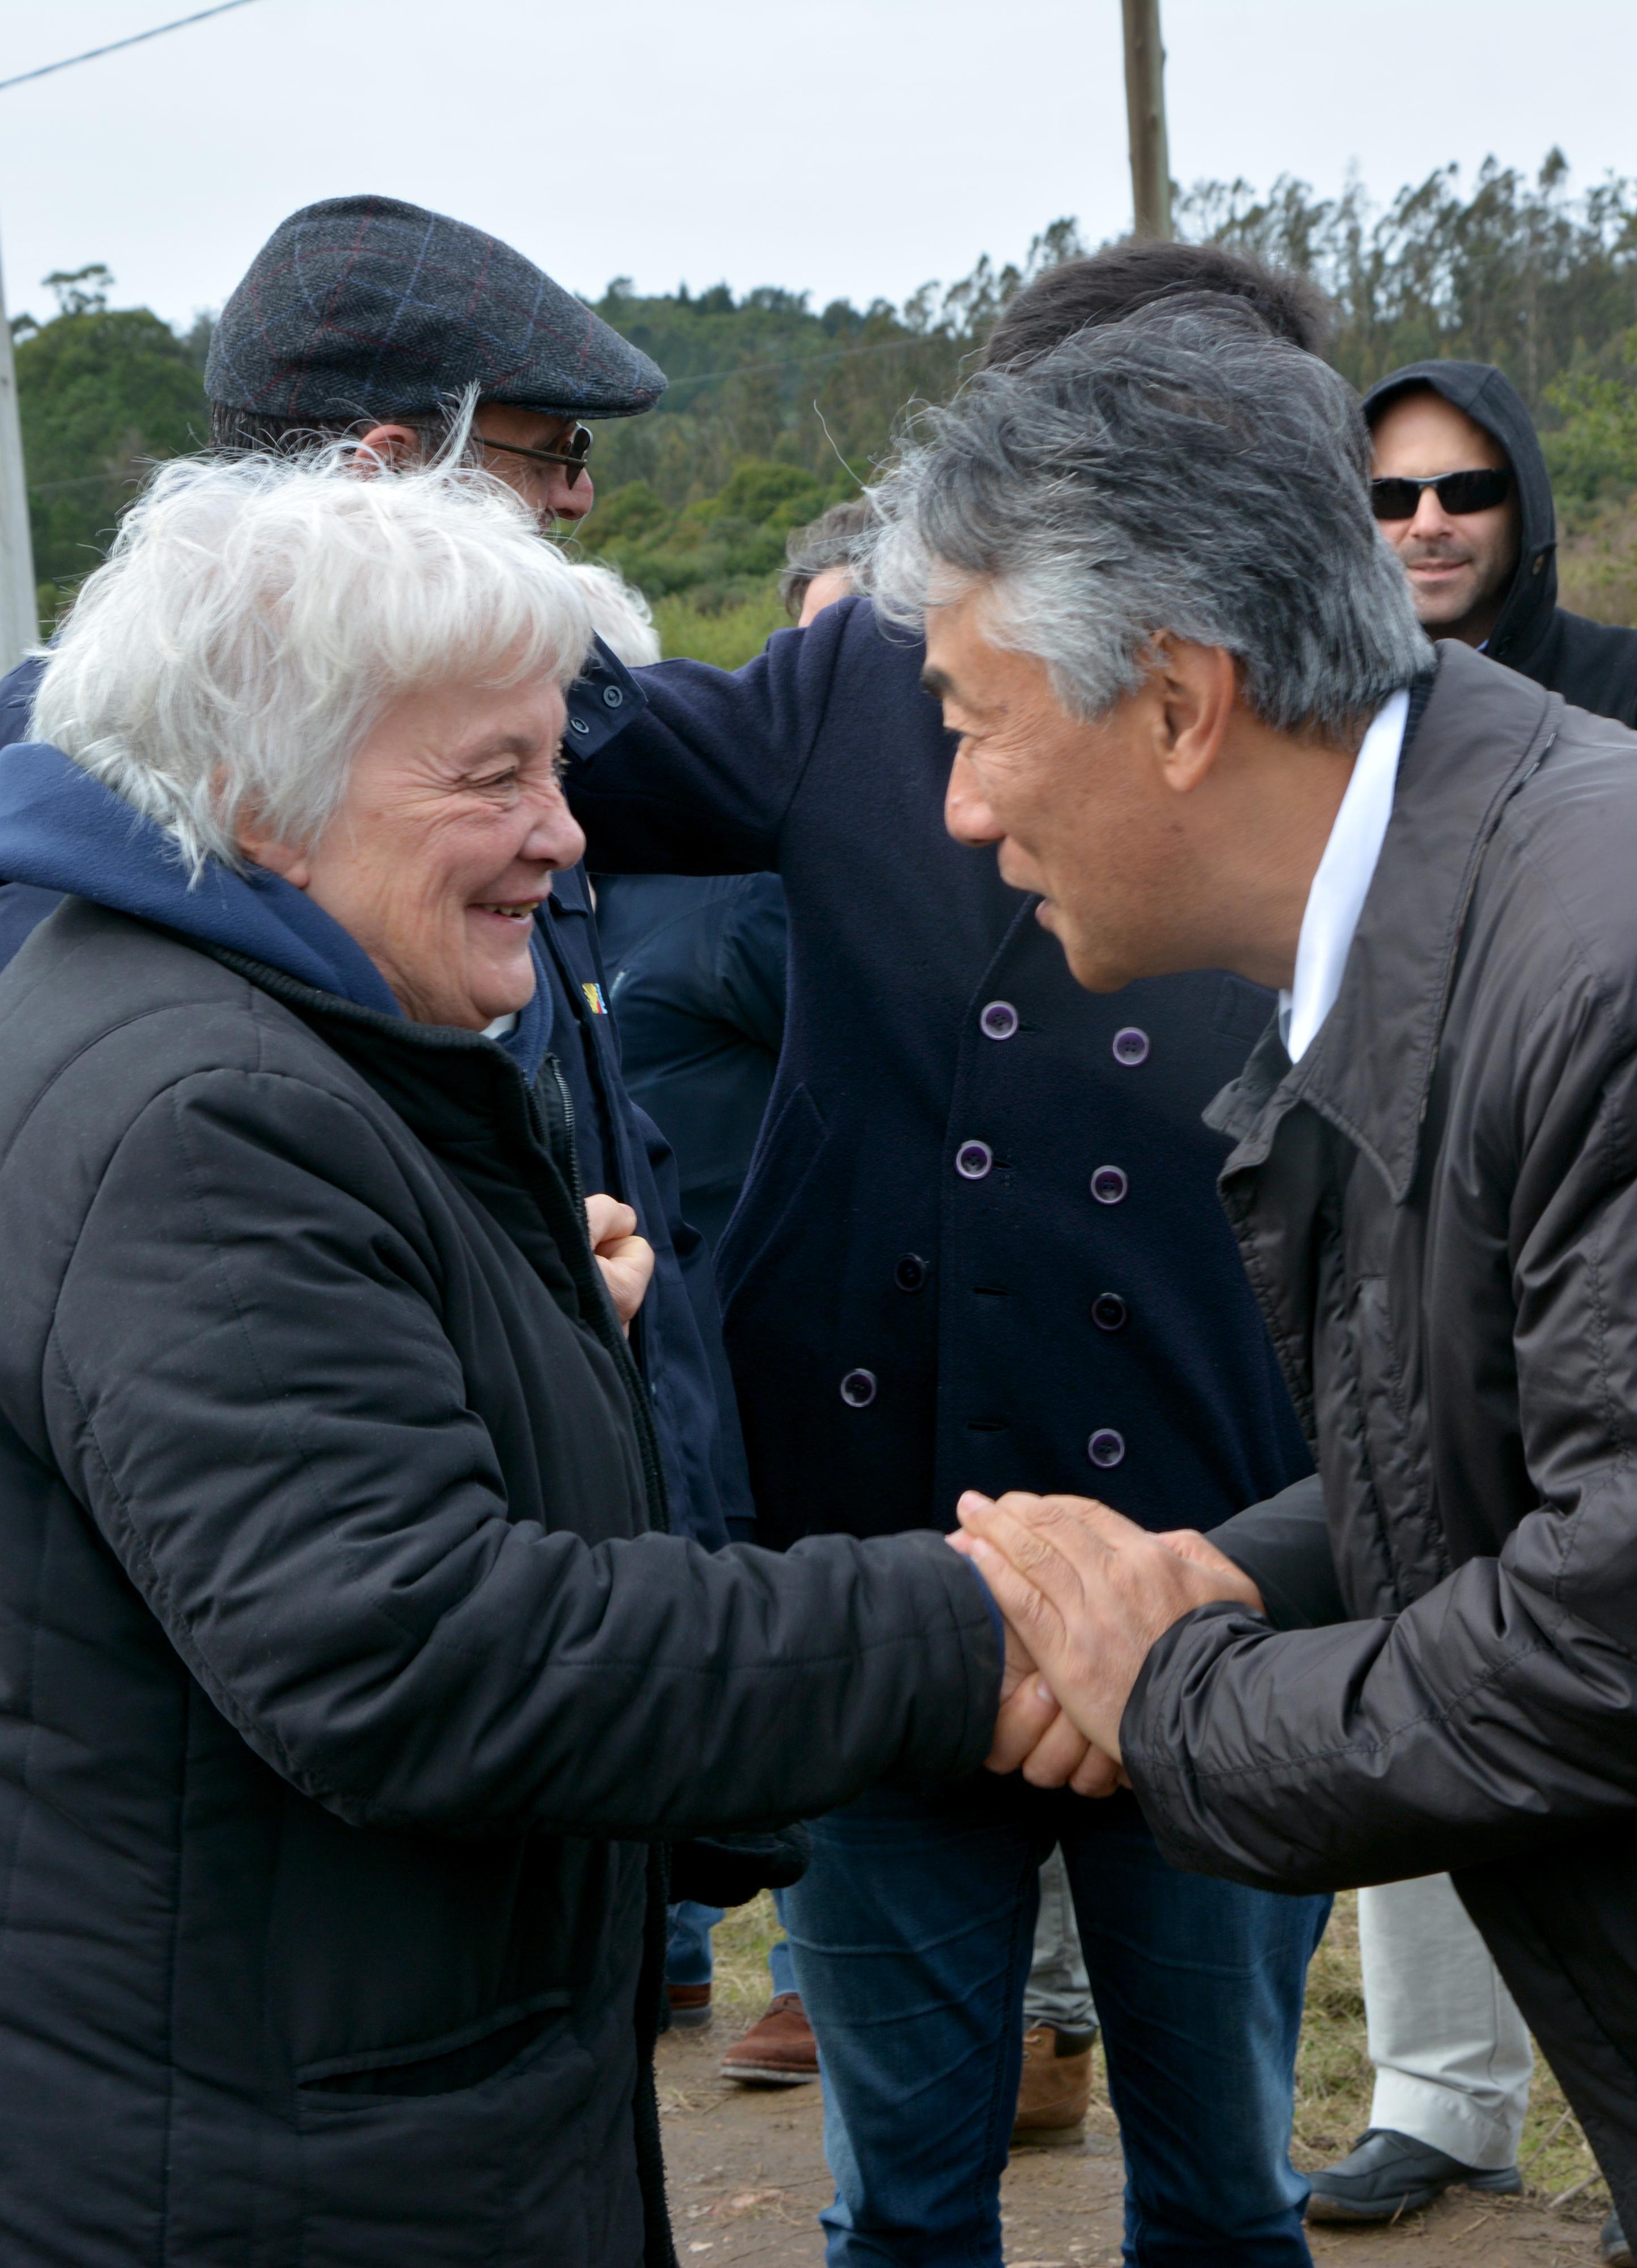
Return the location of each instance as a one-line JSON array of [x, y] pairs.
[[1088, 1593], [626, 1259], [1032, 1733]]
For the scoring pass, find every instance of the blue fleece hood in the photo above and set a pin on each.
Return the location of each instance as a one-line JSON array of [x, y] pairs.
[[60, 830]]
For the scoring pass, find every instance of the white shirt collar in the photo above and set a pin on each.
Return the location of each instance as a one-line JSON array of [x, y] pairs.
[[502, 1026], [1342, 882]]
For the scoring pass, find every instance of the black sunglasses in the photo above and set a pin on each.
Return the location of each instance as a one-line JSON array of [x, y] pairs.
[[1459, 493], [572, 456]]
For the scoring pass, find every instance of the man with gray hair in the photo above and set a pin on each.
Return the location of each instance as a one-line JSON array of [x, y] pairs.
[[1198, 716]]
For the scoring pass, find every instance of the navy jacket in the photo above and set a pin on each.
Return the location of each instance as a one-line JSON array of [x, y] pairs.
[[678, 1337], [696, 982], [981, 1244]]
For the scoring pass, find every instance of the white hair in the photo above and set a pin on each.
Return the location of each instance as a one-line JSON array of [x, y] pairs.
[[620, 616], [258, 615]]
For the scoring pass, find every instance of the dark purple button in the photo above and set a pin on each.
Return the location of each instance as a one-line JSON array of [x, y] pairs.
[[1106, 1447], [1108, 1311], [858, 1389], [911, 1272], [973, 1159], [1109, 1184], [999, 1020], [1131, 1046]]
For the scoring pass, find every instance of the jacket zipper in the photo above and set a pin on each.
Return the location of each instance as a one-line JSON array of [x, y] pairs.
[[576, 1186], [636, 1385]]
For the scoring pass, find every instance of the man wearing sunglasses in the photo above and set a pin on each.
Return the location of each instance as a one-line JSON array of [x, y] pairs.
[[1461, 491]]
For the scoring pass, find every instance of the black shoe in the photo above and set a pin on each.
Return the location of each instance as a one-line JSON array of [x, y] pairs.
[[1612, 2249], [1385, 2173]]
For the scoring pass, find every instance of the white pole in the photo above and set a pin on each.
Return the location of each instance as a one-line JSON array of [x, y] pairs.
[[19, 622]]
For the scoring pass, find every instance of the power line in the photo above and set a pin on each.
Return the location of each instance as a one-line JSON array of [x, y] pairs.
[[224, 8]]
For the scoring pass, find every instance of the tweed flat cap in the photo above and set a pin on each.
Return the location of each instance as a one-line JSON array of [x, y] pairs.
[[365, 307]]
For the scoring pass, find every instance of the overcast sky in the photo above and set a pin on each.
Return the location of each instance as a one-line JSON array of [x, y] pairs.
[[850, 147]]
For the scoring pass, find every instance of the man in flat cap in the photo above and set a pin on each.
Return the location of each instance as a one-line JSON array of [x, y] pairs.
[[369, 318], [365, 316]]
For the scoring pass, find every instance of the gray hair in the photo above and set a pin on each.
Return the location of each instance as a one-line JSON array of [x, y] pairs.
[[258, 615], [1182, 472], [838, 538]]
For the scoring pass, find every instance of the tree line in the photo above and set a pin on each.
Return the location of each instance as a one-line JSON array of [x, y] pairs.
[[776, 409]]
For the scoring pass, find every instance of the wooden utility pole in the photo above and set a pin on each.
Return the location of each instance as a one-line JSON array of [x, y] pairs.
[[19, 622], [1145, 112]]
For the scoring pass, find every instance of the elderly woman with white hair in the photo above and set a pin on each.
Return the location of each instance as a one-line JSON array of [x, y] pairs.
[[351, 1681]]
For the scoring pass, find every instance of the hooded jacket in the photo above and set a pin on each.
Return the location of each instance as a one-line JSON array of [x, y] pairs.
[[346, 1683], [678, 1337], [1593, 664]]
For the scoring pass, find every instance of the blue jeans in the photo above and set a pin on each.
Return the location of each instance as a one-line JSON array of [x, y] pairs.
[[687, 1943], [911, 1931], [781, 1968]]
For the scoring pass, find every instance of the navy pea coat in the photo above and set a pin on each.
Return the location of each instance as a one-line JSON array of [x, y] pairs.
[[980, 1244]]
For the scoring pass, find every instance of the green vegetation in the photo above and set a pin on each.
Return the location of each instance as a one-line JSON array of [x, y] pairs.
[[101, 394], [776, 410]]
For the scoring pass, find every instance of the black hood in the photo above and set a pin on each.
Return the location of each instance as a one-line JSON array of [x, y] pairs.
[[1490, 400]]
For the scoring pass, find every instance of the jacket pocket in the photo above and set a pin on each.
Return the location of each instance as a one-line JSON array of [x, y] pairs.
[[786, 1158], [479, 2052], [397, 2166]]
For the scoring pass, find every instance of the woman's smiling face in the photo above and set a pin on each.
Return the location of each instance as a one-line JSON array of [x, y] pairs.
[[444, 848]]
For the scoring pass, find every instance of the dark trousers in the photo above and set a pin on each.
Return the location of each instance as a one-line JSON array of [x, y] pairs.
[[911, 1933]]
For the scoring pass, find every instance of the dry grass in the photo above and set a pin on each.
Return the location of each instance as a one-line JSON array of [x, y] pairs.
[[1333, 2073], [1334, 2079]]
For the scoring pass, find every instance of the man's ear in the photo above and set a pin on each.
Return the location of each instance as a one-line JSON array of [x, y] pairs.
[[1197, 688], [395, 446]]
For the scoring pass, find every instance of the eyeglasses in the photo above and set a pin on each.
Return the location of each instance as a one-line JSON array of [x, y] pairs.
[[571, 457], [1459, 493]]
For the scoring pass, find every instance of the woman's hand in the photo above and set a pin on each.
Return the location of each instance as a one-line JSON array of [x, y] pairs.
[[626, 1259]]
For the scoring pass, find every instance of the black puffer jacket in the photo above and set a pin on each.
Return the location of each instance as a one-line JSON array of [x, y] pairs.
[[343, 1690], [1594, 665], [1438, 1208]]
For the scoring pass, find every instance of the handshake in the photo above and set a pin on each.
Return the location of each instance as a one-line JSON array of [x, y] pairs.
[[1085, 1593]]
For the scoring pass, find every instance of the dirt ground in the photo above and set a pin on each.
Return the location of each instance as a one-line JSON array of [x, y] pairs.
[[747, 2175]]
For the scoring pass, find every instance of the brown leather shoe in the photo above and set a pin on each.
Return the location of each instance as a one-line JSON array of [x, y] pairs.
[[690, 2006], [1055, 2091], [778, 2051]]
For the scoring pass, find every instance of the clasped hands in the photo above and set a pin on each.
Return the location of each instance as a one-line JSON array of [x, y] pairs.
[[1084, 1592]]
